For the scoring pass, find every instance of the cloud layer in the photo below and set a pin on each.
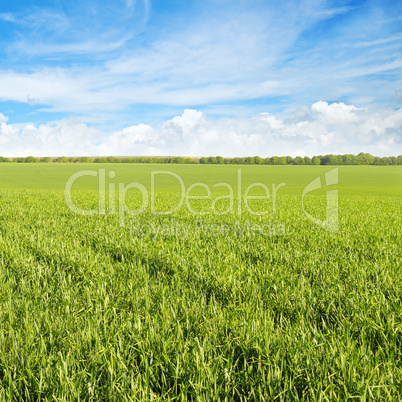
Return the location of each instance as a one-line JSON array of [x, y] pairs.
[[319, 129]]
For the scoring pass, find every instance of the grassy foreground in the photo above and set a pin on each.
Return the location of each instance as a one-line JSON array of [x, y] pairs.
[[210, 307]]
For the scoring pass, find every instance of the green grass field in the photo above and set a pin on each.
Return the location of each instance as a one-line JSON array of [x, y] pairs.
[[353, 180], [233, 306]]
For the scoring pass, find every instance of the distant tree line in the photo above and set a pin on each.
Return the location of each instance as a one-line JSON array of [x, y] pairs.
[[330, 159], [108, 159]]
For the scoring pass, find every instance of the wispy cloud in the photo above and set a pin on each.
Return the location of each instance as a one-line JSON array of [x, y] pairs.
[[332, 12], [78, 29], [398, 94], [395, 38], [234, 59], [9, 17]]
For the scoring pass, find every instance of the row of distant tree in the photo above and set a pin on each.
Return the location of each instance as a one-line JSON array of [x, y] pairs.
[[108, 159], [346, 159]]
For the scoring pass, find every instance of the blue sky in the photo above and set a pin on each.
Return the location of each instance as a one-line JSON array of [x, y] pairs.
[[107, 69]]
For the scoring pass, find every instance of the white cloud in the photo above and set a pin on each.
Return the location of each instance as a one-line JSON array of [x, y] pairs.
[[134, 140], [319, 129], [337, 113], [64, 137], [185, 125]]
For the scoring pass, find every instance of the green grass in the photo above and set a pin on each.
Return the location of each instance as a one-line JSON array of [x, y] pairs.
[[353, 180], [171, 308]]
